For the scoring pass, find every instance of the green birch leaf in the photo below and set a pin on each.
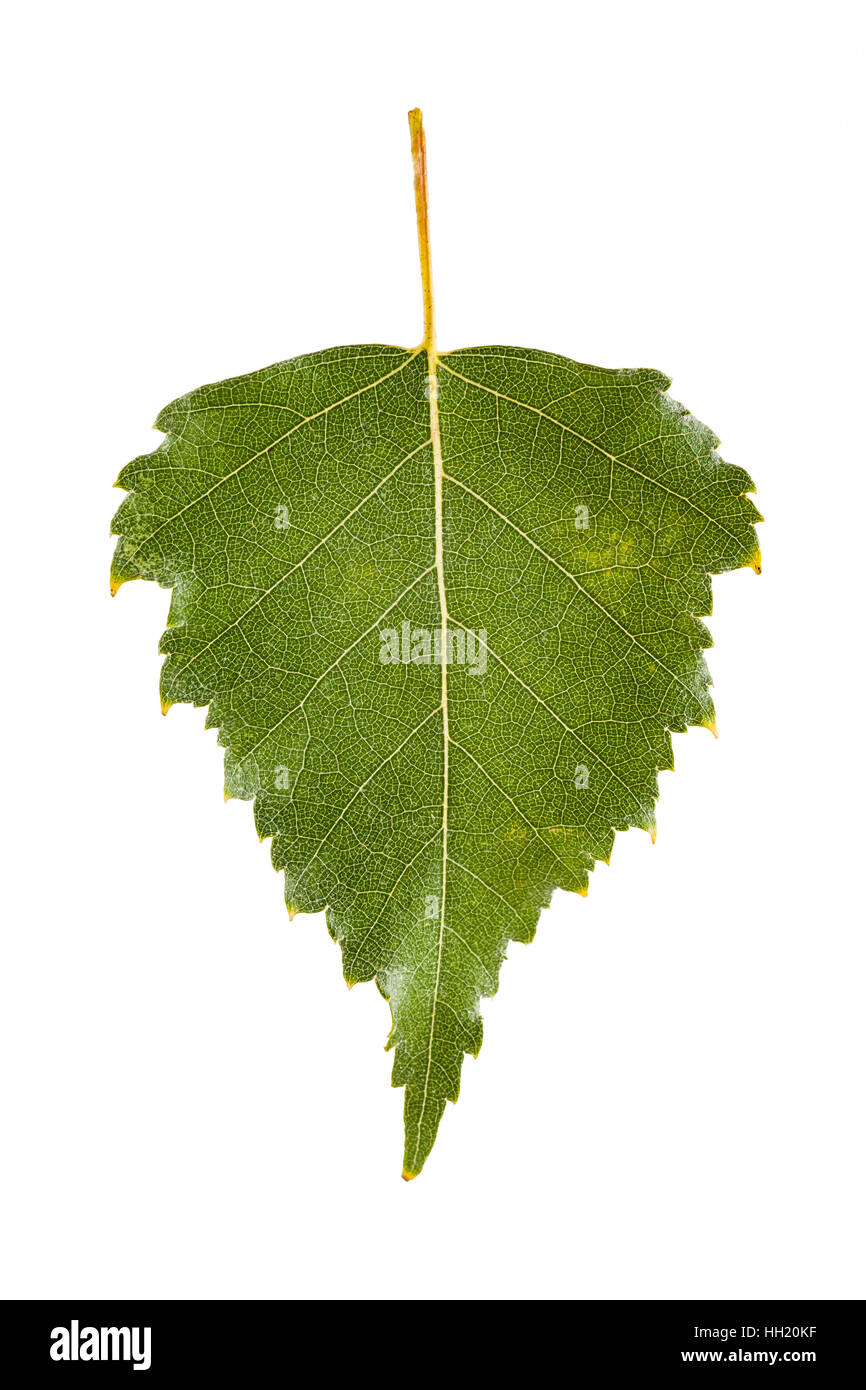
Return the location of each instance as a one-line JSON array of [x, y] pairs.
[[445, 611]]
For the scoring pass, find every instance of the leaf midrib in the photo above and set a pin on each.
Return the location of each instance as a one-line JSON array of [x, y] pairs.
[[439, 477]]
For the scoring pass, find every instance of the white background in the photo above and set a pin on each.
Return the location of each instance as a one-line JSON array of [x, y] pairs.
[[669, 1100]]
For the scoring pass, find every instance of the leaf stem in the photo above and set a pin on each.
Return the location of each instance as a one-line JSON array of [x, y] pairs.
[[419, 162]]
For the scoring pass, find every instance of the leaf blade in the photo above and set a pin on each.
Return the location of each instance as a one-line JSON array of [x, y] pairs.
[[591, 654]]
